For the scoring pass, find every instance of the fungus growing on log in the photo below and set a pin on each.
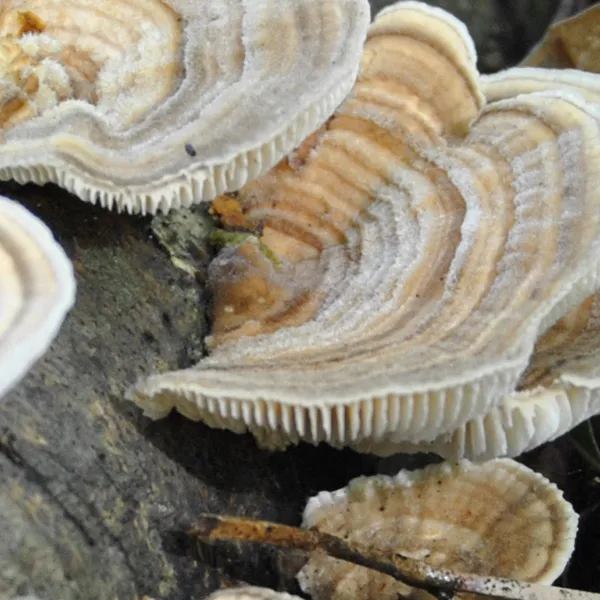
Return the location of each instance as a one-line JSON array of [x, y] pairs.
[[416, 252]]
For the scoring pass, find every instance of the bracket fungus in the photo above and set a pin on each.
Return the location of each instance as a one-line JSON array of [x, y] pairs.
[[497, 519], [559, 390], [37, 289], [561, 386], [418, 246], [184, 100]]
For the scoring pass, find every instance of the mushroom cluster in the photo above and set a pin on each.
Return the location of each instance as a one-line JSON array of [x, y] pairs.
[[405, 258], [404, 262], [184, 100], [420, 270]]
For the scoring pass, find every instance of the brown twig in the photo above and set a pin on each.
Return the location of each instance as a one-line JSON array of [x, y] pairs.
[[416, 573]]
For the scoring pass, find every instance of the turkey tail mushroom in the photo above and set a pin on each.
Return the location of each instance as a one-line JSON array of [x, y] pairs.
[[497, 519], [185, 100], [559, 390], [415, 254]]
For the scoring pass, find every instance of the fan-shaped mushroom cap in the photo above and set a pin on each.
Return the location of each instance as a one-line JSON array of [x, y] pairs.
[[551, 399], [559, 390], [154, 104], [524, 80], [37, 288], [498, 518], [413, 269], [251, 593]]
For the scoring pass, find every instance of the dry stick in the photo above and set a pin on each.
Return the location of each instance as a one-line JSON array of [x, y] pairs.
[[415, 573]]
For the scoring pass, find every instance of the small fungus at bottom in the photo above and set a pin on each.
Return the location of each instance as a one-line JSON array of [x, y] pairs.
[[498, 519], [251, 593]]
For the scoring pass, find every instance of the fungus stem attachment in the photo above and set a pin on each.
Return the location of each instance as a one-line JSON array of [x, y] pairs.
[[441, 583]]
